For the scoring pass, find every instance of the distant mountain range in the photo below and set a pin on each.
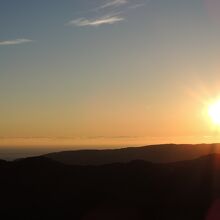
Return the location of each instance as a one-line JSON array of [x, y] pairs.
[[155, 153], [42, 188]]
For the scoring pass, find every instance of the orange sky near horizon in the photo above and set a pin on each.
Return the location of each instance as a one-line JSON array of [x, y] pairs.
[[127, 74]]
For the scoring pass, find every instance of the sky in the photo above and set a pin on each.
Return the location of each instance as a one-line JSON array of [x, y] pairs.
[[108, 72]]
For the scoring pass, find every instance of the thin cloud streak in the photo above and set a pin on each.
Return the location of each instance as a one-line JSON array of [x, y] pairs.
[[109, 16], [138, 5], [83, 22], [115, 3], [14, 42]]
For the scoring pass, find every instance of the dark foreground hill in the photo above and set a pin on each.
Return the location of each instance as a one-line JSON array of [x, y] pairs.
[[41, 188], [157, 153]]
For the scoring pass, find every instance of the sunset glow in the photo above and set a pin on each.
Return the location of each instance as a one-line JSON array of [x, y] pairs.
[[214, 112], [108, 72]]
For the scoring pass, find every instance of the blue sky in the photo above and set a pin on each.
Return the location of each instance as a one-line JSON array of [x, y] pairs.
[[107, 67]]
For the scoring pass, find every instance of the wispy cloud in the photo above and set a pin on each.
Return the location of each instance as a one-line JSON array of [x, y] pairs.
[[111, 12], [138, 5], [114, 3], [14, 42], [108, 19]]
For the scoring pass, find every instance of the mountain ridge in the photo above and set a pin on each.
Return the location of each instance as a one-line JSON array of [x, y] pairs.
[[163, 153]]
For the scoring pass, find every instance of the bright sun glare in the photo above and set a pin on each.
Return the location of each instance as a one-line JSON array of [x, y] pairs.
[[214, 112]]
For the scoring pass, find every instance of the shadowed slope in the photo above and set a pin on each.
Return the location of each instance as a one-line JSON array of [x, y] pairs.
[[39, 188]]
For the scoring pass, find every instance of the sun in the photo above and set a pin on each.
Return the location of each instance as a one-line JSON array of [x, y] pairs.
[[214, 112]]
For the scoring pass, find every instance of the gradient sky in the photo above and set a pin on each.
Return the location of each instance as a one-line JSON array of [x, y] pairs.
[[108, 72]]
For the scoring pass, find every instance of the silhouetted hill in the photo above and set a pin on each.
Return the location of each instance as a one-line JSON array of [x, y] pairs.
[[39, 161], [41, 188], [2, 162], [156, 153]]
